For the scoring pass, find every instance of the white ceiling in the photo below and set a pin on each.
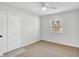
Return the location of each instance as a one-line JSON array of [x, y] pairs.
[[35, 7]]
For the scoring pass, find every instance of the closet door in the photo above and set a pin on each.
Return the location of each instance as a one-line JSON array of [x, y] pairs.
[[3, 39], [14, 40]]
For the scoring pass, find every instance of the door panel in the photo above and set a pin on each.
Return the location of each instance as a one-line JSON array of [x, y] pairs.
[[3, 40], [14, 41]]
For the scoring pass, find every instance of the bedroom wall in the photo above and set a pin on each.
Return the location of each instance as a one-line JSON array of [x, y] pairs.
[[30, 29], [29, 23], [71, 29]]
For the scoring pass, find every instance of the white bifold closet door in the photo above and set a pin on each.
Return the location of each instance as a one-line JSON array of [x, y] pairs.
[[14, 31], [3, 39]]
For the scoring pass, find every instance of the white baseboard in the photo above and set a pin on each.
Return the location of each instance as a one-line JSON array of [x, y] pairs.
[[30, 43], [63, 43], [58, 42]]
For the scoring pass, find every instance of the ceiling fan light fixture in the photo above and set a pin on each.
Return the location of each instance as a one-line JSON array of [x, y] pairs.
[[44, 8]]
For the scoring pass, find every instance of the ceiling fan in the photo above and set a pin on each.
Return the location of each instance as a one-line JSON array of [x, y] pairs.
[[45, 6]]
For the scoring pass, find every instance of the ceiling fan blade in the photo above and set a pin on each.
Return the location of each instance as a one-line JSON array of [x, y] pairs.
[[52, 7]]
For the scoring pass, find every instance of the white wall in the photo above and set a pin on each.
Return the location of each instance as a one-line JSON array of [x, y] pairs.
[[29, 23], [30, 29], [71, 29]]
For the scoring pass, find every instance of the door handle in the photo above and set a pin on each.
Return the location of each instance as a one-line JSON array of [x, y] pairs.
[[0, 35]]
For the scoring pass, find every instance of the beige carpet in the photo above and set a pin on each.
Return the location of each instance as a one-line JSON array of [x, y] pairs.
[[14, 52], [47, 49]]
